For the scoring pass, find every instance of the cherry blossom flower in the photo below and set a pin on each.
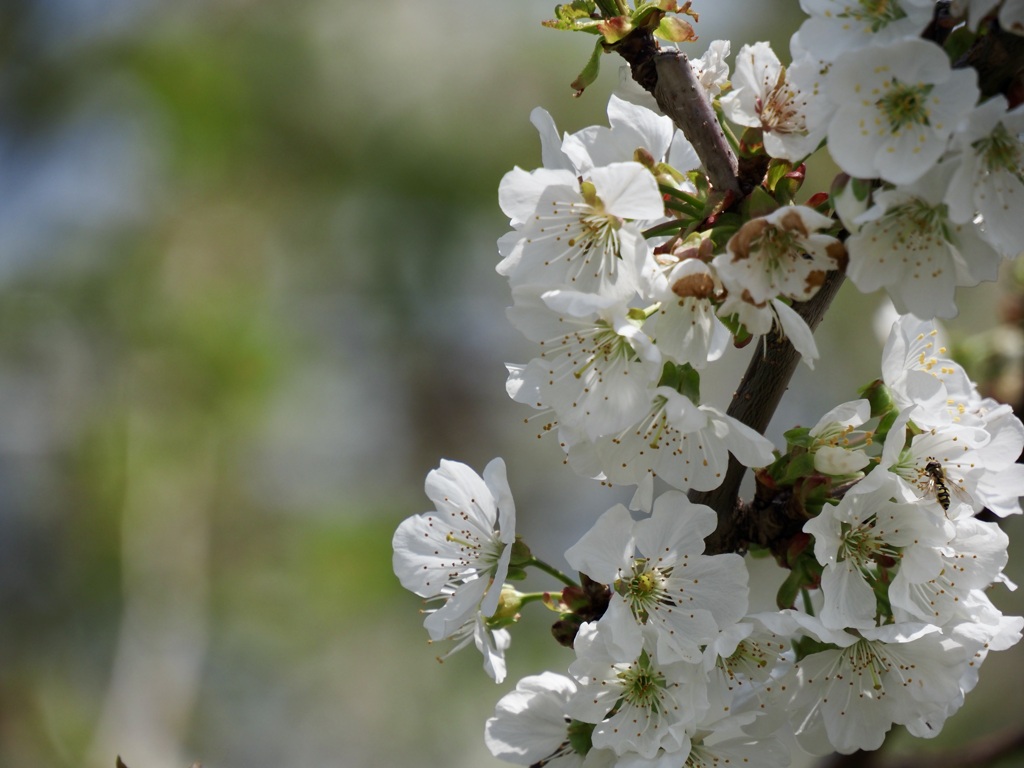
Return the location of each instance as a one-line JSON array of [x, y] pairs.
[[939, 591], [596, 368], [685, 326], [631, 128], [578, 234], [781, 254], [907, 244], [760, 317], [637, 705], [685, 444], [839, 448], [896, 108], [460, 551], [490, 641], [787, 104], [682, 596], [861, 536], [920, 376], [530, 726], [837, 26], [989, 178], [849, 697]]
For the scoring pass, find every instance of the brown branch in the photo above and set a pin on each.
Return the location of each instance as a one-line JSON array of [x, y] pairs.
[[668, 76], [980, 753], [682, 98], [754, 402]]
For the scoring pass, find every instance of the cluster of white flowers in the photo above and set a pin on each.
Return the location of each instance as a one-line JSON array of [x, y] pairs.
[[631, 277]]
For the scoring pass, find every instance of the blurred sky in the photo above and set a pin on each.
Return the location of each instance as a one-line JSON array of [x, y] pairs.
[[247, 258]]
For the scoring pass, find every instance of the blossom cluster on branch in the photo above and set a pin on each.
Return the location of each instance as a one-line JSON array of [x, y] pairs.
[[632, 274]]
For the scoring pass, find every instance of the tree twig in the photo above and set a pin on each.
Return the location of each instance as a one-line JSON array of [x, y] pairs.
[[980, 753], [754, 402]]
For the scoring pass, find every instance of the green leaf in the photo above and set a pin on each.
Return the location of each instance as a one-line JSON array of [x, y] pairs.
[[801, 465], [615, 28], [675, 30], [577, 9], [799, 436], [959, 42], [577, 16], [759, 203], [590, 71]]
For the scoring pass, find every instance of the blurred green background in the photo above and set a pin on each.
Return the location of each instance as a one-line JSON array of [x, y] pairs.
[[248, 302]]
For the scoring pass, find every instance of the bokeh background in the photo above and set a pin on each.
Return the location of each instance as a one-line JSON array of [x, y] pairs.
[[247, 302]]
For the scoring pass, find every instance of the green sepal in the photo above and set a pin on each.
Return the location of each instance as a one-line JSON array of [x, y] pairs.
[[725, 226], [884, 425], [805, 571], [777, 170], [636, 316], [520, 555], [959, 43], [740, 335], [812, 492], [788, 592], [861, 188], [580, 736], [808, 646], [880, 398], [757, 552], [880, 587], [590, 71], [515, 574], [684, 379], [759, 203], [788, 183]]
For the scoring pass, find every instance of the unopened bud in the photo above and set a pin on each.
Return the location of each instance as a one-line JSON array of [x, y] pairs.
[[836, 461]]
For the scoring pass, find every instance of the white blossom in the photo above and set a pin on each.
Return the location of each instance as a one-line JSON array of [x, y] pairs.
[[939, 592], [578, 235], [685, 326], [781, 254], [631, 128], [837, 26], [989, 177], [596, 368], [637, 705], [760, 317], [862, 537], [685, 444], [896, 108], [661, 580], [907, 244], [787, 104], [491, 642], [530, 726], [848, 698], [460, 551], [839, 447], [921, 377]]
